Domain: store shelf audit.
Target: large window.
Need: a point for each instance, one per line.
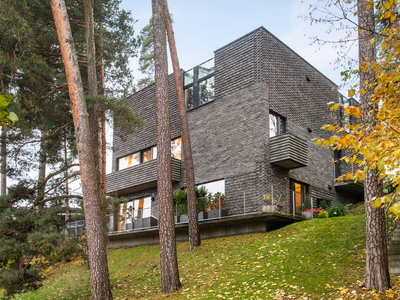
(148, 155)
(132, 210)
(199, 84)
(277, 124)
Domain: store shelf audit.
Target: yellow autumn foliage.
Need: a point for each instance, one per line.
(377, 146)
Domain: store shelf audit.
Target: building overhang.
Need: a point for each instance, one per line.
(140, 177)
(349, 186)
(288, 151)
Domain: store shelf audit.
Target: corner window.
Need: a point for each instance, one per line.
(277, 124)
(199, 85)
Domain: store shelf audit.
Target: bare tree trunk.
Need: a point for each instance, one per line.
(103, 156)
(92, 80)
(4, 160)
(194, 232)
(376, 270)
(99, 277)
(169, 264)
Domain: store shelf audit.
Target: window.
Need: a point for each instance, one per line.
(135, 209)
(129, 161)
(148, 155)
(277, 124)
(298, 193)
(199, 84)
(176, 149)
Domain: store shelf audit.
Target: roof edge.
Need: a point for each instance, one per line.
(263, 28)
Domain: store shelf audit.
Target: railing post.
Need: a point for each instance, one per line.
(219, 206)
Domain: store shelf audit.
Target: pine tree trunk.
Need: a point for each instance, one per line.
(194, 232)
(376, 270)
(168, 258)
(4, 161)
(99, 277)
(103, 156)
(92, 80)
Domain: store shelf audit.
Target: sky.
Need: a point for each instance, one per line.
(201, 27)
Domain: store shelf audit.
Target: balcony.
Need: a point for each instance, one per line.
(139, 177)
(288, 151)
(349, 186)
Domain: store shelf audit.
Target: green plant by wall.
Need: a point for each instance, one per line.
(323, 215)
(307, 203)
(216, 201)
(338, 210)
(324, 205)
(180, 200)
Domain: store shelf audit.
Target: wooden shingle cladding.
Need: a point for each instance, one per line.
(288, 151)
(139, 177)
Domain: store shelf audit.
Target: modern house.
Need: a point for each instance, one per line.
(254, 110)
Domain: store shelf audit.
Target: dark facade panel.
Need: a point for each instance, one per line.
(139, 177)
(288, 151)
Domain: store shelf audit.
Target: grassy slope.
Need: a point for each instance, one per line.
(313, 257)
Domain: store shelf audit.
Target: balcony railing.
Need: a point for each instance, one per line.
(139, 177)
(288, 151)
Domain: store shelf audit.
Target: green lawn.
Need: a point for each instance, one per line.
(314, 259)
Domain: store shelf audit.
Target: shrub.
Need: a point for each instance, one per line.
(216, 200)
(338, 210)
(307, 203)
(180, 200)
(323, 215)
(323, 205)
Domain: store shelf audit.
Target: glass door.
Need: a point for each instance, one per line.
(298, 193)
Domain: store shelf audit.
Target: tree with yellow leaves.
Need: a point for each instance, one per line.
(375, 138)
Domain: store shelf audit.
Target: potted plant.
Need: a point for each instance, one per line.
(307, 213)
(180, 204)
(270, 205)
(217, 206)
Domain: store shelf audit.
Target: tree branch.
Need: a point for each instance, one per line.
(54, 198)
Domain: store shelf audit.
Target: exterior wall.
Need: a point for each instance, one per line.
(143, 103)
(230, 135)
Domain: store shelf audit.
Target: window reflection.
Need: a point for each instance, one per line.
(176, 149)
(277, 125)
(206, 68)
(128, 161)
(206, 90)
(146, 155)
(199, 84)
(135, 209)
(188, 77)
(189, 97)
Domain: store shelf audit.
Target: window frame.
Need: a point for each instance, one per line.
(153, 150)
(278, 118)
(195, 84)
